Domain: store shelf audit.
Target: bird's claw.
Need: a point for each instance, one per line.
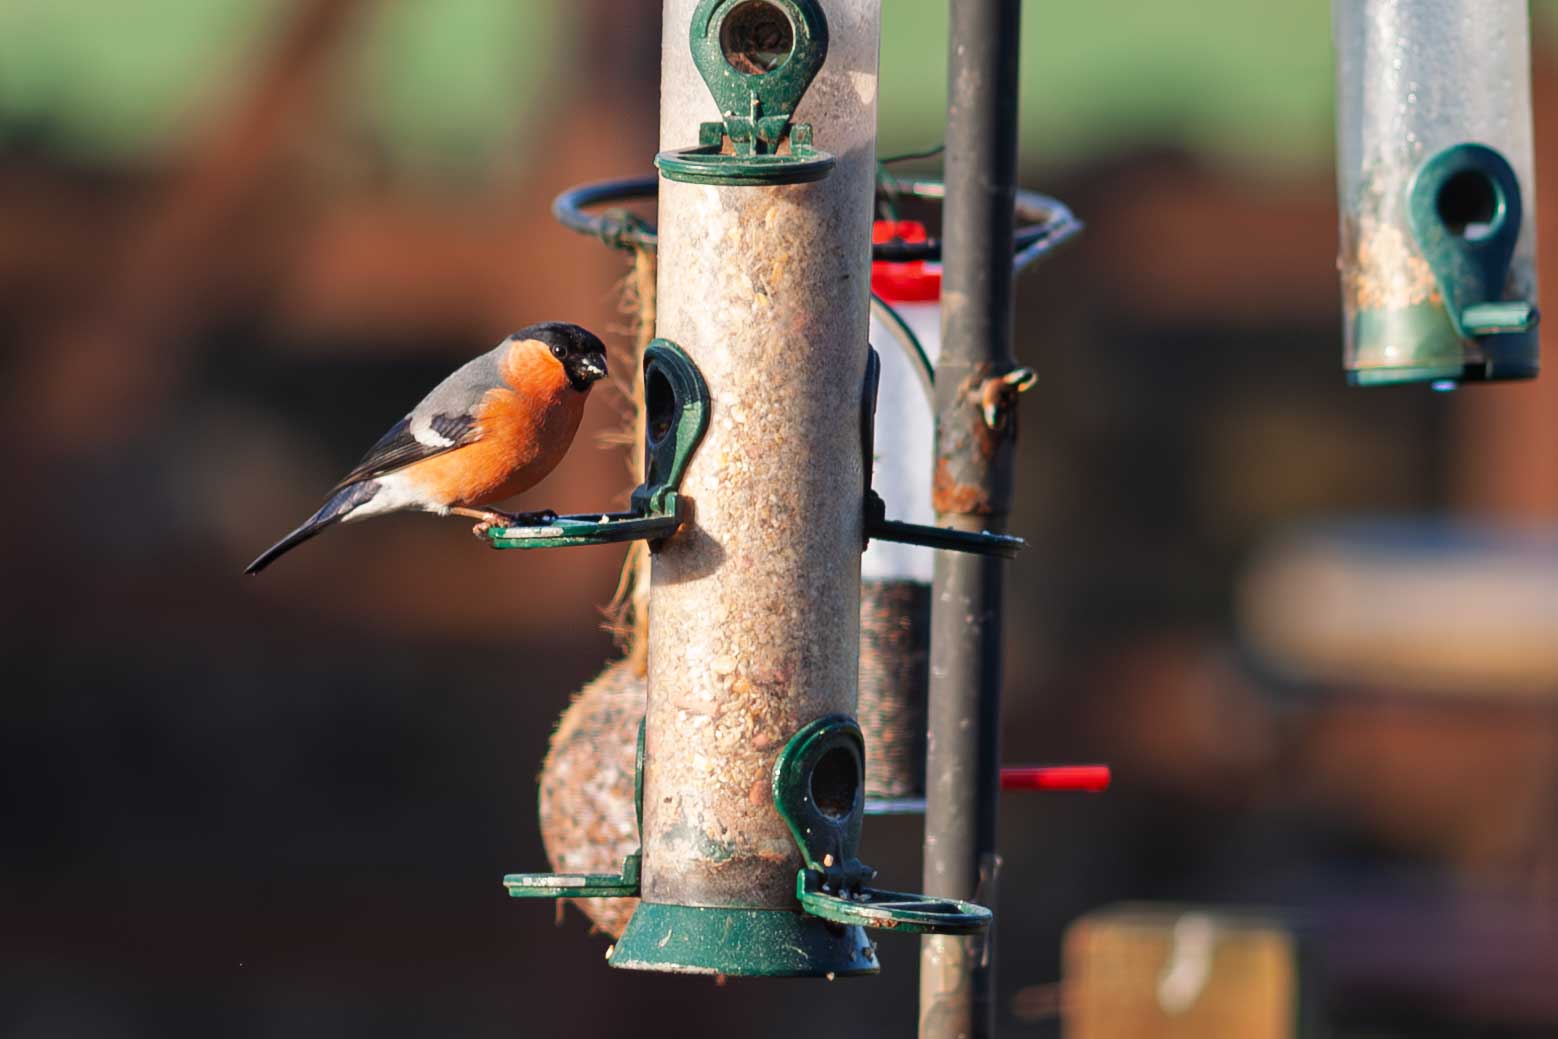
(533, 519)
(504, 520)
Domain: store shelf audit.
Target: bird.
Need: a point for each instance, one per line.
(495, 427)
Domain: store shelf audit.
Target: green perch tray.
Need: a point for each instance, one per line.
(677, 411)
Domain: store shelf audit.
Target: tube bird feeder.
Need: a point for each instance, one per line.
(1435, 183)
(760, 393)
(754, 609)
(816, 777)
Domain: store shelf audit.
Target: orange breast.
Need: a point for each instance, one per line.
(523, 437)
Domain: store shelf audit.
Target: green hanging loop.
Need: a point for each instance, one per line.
(1465, 209)
(757, 57)
(820, 794)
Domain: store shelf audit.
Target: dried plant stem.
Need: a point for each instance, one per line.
(628, 611)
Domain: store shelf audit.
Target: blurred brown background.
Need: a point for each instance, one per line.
(239, 238)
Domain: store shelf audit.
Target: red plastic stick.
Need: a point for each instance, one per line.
(1089, 779)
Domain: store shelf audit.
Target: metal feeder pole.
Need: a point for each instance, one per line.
(972, 491)
(755, 604)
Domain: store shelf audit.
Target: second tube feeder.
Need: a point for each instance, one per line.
(1435, 183)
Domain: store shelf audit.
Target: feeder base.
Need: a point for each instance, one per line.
(1418, 344)
(1405, 344)
(771, 943)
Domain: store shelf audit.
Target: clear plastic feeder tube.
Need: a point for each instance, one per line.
(1415, 78)
(754, 605)
(896, 577)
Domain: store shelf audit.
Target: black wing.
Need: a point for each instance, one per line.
(399, 448)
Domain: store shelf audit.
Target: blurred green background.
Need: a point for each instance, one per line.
(441, 85)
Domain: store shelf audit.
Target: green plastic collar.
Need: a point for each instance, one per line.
(740, 942)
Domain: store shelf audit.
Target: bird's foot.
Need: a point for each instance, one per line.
(492, 519)
(535, 519)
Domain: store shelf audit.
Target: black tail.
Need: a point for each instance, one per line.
(335, 510)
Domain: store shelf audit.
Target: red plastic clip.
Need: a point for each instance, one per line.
(1090, 779)
(906, 281)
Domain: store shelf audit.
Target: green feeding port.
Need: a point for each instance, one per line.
(757, 57)
(752, 943)
(819, 792)
(1464, 209)
(677, 413)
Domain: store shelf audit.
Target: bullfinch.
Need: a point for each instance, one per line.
(494, 428)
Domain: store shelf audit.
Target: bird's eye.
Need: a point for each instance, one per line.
(557, 351)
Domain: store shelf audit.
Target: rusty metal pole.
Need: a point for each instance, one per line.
(972, 491)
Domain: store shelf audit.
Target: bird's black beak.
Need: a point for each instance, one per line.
(584, 369)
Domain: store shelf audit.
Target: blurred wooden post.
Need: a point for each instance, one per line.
(1158, 972)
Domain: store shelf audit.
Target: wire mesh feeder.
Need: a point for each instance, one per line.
(586, 799)
(1047, 223)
